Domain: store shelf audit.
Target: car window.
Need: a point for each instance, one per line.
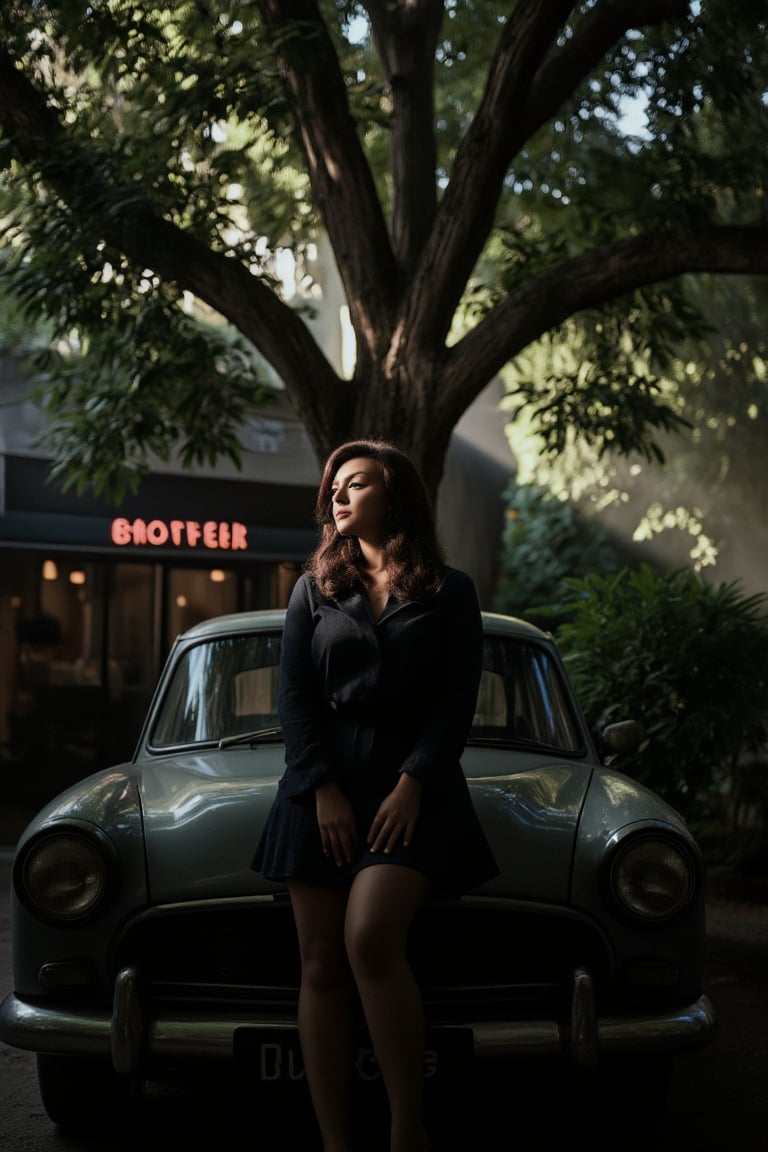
(523, 697)
(220, 688)
(225, 687)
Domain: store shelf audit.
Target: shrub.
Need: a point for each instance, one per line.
(689, 660)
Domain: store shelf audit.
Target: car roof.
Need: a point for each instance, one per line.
(499, 624)
(262, 619)
(495, 623)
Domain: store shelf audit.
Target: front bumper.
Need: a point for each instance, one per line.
(132, 1040)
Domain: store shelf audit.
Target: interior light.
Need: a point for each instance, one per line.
(50, 571)
(76, 576)
(181, 601)
(217, 575)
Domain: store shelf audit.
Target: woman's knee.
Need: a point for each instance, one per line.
(375, 945)
(324, 964)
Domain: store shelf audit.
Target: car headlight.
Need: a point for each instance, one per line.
(652, 877)
(65, 875)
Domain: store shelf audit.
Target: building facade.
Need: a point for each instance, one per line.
(92, 596)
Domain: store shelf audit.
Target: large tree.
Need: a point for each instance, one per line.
(465, 159)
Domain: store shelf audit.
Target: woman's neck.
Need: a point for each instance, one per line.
(375, 560)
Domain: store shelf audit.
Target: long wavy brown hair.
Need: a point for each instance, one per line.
(412, 552)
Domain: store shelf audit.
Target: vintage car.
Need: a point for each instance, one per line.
(145, 946)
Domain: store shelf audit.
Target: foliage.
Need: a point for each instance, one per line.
(466, 161)
(724, 388)
(710, 490)
(687, 659)
(150, 380)
(604, 381)
(130, 398)
(544, 543)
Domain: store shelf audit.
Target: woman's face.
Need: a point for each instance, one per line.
(359, 499)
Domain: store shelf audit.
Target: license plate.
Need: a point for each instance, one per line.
(275, 1054)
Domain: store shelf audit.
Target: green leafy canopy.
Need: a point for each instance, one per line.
(467, 163)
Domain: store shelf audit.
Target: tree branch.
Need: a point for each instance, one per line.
(517, 101)
(587, 281)
(405, 36)
(568, 64)
(465, 214)
(342, 182)
(137, 230)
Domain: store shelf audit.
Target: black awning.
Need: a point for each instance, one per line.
(163, 496)
(169, 515)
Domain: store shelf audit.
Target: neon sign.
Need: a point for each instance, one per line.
(180, 534)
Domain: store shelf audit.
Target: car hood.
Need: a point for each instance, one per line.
(203, 817)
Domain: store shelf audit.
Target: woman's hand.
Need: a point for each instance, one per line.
(336, 820)
(397, 815)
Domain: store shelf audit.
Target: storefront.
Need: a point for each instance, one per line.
(92, 597)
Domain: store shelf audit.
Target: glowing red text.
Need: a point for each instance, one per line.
(180, 534)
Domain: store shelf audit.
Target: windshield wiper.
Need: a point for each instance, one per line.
(524, 744)
(529, 743)
(250, 737)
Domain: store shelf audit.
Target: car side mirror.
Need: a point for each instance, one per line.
(622, 739)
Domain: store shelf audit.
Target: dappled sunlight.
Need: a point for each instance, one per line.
(704, 550)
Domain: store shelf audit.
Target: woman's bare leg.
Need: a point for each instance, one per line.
(382, 903)
(325, 999)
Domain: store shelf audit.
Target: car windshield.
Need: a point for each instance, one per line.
(220, 689)
(226, 688)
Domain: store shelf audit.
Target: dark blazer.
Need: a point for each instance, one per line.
(361, 700)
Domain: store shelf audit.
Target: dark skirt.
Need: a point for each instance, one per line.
(449, 845)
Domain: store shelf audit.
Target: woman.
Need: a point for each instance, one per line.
(379, 674)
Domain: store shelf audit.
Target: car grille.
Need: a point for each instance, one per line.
(473, 962)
